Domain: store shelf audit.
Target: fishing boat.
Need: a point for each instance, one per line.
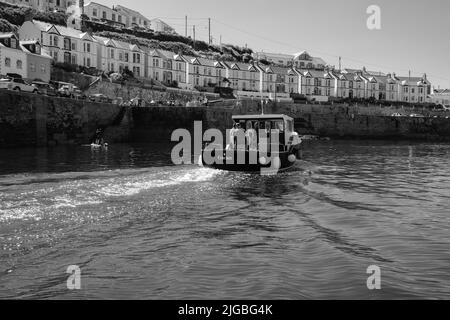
(265, 142)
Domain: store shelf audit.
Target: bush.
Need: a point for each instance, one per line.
(5, 26)
(17, 15)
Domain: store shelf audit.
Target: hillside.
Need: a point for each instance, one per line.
(11, 17)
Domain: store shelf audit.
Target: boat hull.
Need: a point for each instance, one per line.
(247, 161)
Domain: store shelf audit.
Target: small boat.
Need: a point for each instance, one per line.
(262, 143)
(99, 146)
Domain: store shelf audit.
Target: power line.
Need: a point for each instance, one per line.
(324, 53)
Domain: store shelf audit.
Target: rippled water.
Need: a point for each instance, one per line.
(139, 227)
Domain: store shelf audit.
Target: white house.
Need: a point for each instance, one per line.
(160, 26)
(132, 17)
(243, 76)
(440, 96)
(63, 44)
(167, 67)
(413, 89)
(101, 13)
(201, 72)
(303, 60)
(320, 84)
(12, 57)
(117, 56)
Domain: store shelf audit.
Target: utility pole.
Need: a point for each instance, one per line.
(340, 64)
(209, 30)
(193, 31)
(409, 89)
(186, 27)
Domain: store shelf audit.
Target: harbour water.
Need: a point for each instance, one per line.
(141, 228)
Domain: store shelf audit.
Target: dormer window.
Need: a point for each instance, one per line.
(13, 43)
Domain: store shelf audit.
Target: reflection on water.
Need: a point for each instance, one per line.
(140, 227)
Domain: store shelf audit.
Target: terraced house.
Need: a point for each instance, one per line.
(243, 76)
(12, 57)
(62, 44)
(23, 58)
(167, 67)
(43, 5)
(201, 72)
(318, 84)
(116, 56)
(101, 13)
(278, 80)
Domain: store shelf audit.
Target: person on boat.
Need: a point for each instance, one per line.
(251, 137)
(239, 141)
(233, 137)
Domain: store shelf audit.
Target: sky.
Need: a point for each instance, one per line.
(414, 35)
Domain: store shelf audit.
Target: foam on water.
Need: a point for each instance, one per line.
(66, 191)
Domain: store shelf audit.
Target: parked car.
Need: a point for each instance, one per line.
(65, 91)
(441, 107)
(415, 115)
(17, 84)
(396, 115)
(44, 88)
(98, 97)
(78, 94)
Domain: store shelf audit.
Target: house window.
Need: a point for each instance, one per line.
(74, 46)
(88, 62)
(136, 58)
(55, 41)
(113, 17)
(74, 59)
(33, 67)
(120, 56)
(119, 18)
(13, 43)
(104, 14)
(111, 53)
(7, 62)
(43, 69)
(94, 12)
(67, 44)
(126, 57)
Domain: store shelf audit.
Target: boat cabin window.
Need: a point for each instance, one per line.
(289, 126)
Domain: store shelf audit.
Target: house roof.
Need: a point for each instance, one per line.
(64, 31)
(240, 66)
(412, 80)
(24, 44)
(204, 62)
(118, 44)
(317, 73)
(441, 91)
(7, 35)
